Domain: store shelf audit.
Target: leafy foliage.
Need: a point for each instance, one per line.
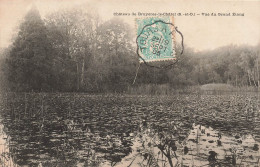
(73, 50)
(29, 65)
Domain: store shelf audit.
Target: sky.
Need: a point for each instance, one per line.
(200, 32)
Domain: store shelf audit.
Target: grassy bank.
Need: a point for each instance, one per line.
(167, 89)
(163, 89)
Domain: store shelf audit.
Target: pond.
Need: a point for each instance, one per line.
(73, 129)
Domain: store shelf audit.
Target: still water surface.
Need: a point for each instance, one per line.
(95, 130)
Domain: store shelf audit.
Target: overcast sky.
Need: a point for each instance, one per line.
(200, 32)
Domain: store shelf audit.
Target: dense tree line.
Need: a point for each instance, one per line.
(73, 50)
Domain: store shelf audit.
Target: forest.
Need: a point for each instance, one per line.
(75, 51)
(73, 93)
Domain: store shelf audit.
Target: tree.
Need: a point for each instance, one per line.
(72, 34)
(116, 55)
(4, 52)
(29, 64)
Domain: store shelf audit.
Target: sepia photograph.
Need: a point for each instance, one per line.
(141, 83)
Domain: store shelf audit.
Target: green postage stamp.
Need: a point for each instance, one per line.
(155, 39)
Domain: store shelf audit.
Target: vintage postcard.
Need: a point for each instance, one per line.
(141, 83)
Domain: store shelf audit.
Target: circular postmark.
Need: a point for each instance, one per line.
(156, 40)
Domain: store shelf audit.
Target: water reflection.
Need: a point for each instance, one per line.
(91, 130)
(54, 134)
(202, 147)
(64, 142)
